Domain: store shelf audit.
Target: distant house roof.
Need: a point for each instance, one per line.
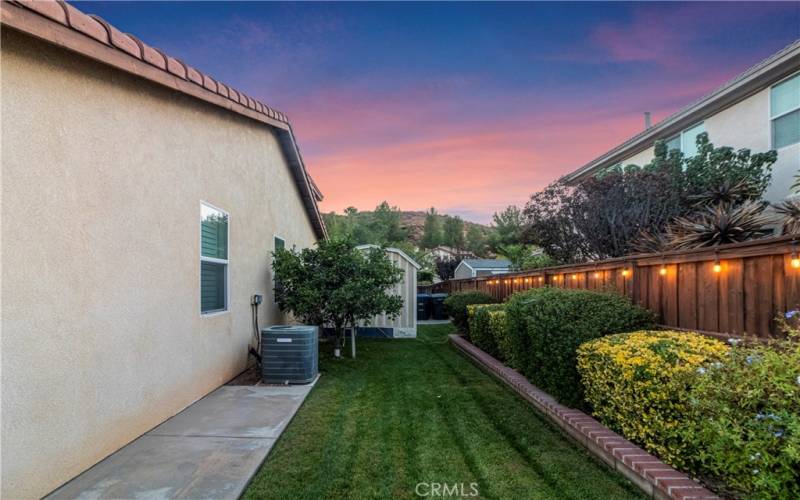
(392, 250)
(451, 250)
(63, 25)
(781, 64)
(487, 263)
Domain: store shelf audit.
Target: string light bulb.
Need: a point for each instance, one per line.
(541, 278)
(574, 276)
(717, 266)
(596, 275)
(625, 272)
(663, 270)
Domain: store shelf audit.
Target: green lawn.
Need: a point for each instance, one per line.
(413, 411)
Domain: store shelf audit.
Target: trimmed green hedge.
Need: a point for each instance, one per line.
(456, 306)
(546, 326)
(486, 327)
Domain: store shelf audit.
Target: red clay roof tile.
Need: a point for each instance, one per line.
(209, 83)
(176, 67)
(150, 55)
(118, 39)
(102, 31)
(194, 75)
(54, 10)
(86, 24)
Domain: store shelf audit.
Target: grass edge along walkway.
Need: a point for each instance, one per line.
(408, 414)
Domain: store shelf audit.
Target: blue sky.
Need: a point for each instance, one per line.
(465, 106)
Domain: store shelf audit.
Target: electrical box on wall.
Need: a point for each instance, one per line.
(257, 299)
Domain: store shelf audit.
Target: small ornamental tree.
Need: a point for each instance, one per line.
(336, 285)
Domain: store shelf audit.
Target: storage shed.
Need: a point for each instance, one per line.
(405, 325)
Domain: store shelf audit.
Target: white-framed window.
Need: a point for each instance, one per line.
(689, 139)
(784, 112)
(674, 143)
(686, 141)
(214, 274)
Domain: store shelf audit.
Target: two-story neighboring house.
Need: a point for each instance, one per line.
(758, 110)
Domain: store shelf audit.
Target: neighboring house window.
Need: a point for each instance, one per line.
(686, 141)
(213, 259)
(785, 112)
(674, 143)
(279, 244)
(689, 139)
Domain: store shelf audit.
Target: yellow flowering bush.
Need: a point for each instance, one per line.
(638, 384)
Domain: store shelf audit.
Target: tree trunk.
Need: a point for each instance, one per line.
(353, 343)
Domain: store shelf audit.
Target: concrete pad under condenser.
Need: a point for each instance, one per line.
(209, 450)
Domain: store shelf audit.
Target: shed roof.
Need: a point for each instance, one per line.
(61, 24)
(392, 250)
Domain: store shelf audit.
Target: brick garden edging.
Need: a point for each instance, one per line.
(654, 477)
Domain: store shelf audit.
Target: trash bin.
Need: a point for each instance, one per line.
(438, 305)
(423, 306)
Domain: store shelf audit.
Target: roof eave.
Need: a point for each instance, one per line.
(37, 24)
(777, 67)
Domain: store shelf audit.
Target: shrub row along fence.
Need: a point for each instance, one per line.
(730, 290)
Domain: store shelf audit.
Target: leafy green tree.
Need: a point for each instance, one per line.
(633, 209)
(713, 167)
(508, 228)
(476, 240)
(523, 257)
(454, 232)
(431, 231)
(336, 285)
(385, 225)
(419, 255)
(357, 227)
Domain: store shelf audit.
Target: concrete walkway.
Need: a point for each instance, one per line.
(209, 450)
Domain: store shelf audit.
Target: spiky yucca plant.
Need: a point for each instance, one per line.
(727, 191)
(720, 224)
(788, 212)
(653, 241)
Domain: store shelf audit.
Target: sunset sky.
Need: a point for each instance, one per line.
(468, 107)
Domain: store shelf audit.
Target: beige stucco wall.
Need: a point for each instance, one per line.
(746, 125)
(102, 179)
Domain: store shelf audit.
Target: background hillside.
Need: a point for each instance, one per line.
(414, 222)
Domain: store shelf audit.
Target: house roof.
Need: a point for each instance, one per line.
(61, 24)
(777, 66)
(487, 263)
(392, 250)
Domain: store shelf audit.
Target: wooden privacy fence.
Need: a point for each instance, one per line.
(735, 289)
